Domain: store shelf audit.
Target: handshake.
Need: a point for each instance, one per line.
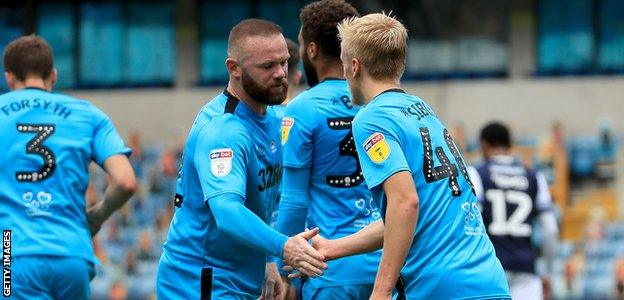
(308, 259)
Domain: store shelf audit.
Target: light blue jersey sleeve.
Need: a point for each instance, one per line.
(294, 203)
(295, 200)
(220, 157)
(106, 142)
(220, 160)
(297, 133)
(380, 151)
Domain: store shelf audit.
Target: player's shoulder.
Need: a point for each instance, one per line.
(372, 113)
(303, 109)
(322, 93)
(225, 127)
(397, 98)
(303, 101)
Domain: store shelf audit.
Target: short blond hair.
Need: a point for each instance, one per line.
(378, 40)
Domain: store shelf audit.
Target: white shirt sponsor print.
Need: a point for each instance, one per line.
(37, 206)
(368, 213)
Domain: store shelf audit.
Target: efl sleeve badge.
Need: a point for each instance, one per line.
(377, 148)
(221, 162)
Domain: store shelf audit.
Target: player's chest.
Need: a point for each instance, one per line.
(265, 168)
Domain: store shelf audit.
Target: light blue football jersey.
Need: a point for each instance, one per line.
(279, 110)
(279, 113)
(230, 149)
(451, 256)
(316, 134)
(48, 141)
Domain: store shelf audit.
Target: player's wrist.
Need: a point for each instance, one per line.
(95, 214)
(381, 292)
(278, 244)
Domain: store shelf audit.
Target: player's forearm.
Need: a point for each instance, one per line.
(237, 221)
(400, 222)
(121, 187)
(370, 238)
(294, 202)
(292, 213)
(115, 196)
(291, 218)
(548, 223)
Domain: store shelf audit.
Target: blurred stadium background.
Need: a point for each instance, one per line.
(551, 69)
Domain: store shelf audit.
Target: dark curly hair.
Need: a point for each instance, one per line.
(318, 24)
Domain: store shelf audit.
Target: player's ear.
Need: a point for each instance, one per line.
(51, 81)
(356, 67)
(233, 67)
(312, 50)
(10, 80)
(297, 78)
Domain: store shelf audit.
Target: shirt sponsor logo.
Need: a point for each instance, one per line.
(37, 205)
(221, 161)
(287, 124)
(377, 148)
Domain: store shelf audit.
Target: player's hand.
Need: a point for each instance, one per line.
(546, 287)
(324, 246)
(95, 218)
(273, 288)
(303, 257)
(291, 291)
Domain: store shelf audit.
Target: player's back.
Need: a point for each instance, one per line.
(48, 141)
(451, 255)
(509, 192)
(316, 132)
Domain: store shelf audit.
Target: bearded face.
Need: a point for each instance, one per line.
(308, 68)
(272, 94)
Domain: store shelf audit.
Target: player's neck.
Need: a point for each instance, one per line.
(238, 92)
(494, 152)
(372, 88)
(329, 69)
(31, 82)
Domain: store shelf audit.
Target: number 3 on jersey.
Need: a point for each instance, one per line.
(446, 169)
(347, 148)
(35, 146)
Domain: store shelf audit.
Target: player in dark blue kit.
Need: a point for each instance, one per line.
(48, 141)
(323, 181)
(433, 238)
(514, 198)
(219, 238)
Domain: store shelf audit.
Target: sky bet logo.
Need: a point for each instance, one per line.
(226, 153)
(6, 263)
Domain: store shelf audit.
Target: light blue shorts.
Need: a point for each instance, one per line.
(343, 292)
(50, 277)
